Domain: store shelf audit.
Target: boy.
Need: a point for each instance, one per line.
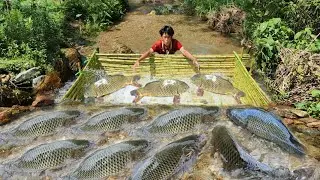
(166, 45)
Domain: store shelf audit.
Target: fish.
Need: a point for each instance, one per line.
(181, 120)
(266, 125)
(108, 84)
(170, 160)
(44, 124)
(233, 155)
(216, 84)
(113, 120)
(51, 155)
(110, 161)
(161, 88)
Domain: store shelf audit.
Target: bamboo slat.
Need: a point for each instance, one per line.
(172, 66)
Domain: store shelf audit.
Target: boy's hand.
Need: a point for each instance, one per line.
(136, 64)
(195, 62)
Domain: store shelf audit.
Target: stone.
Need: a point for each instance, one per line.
(27, 75)
(297, 122)
(43, 100)
(36, 81)
(287, 121)
(299, 113)
(308, 120)
(314, 124)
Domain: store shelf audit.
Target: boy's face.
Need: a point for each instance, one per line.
(166, 38)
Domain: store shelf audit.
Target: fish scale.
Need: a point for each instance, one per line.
(266, 125)
(44, 124)
(109, 84)
(160, 89)
(110, 160)
(180, 120)
(232, 154)
(170, 160)
(113, 120)
(51, 155)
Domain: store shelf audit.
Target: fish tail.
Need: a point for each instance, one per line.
(238, 94)
(134, 92)
(291, 147)
(135, 79)
(296, 148)
(140, 132)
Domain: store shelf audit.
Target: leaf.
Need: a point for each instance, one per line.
(300, 105)
(315, 93)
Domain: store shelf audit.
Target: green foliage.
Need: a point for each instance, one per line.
(32, 32)
(312, 106)
(268, 38)
(271, 35)
(203, 7)
(99, 13)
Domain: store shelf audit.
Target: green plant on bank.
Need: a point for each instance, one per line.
(268, 39)
(97, 14)
(33, 31)
(271, 35)
(312, 106)
(203, 7)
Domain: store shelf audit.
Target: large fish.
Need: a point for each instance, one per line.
(266, 125)
(111, 160)
(181, 120)
(110, 83)
(44, 124)
(51, 155)
(113, 120)
(232, 154)
(216, 84)
(170, 160)
(162, 88)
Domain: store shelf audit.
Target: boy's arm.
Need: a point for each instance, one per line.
(142, 57)
(190, 56)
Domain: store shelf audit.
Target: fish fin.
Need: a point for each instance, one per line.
(185, 164)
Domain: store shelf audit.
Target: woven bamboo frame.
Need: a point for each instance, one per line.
(174, 66)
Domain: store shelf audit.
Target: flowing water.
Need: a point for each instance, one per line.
(207, 165)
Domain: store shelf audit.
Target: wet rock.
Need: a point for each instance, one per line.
(287, 121)
(44, 99)
(308, 120)
(51, 81)
(73, 58)
(36, 81)
(9, 114)
(299, 113)
(27, 75)
(297, 122)
(284, 111)
(314, 124)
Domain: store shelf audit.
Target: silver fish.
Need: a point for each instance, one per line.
(113, 120)
(111, 160)
(170, 160)
(44, 124)
(233, 155)
(51, 155)
(216, 84)
(108, 84)
(161, 88)
(181, 120)
(266, 125)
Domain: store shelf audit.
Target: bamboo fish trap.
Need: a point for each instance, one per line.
(163, 66)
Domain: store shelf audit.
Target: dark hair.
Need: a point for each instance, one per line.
(167, 29)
